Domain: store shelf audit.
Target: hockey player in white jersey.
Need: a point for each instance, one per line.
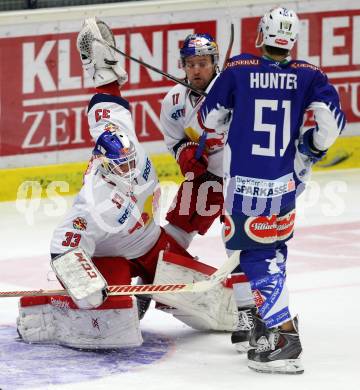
(199, 57)
(109, 235)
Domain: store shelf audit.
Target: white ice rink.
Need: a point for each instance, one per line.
(323, 278)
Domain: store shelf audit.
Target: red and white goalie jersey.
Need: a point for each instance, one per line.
(104, 220)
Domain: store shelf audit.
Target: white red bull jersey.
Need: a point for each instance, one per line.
(178, 119)
(103, 220)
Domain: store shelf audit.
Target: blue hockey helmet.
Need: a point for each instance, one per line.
(199, 45)
(118, 157)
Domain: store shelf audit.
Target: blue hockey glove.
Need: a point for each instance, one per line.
(306, 147)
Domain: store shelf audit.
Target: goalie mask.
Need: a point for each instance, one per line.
(278, 28)
(118, 158)
(99, 60)
(199, 45)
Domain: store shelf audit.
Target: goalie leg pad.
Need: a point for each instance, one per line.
(57, 320)
(81, 278)
(214, 309)
(35, 323)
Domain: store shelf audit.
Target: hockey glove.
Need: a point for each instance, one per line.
(185, 156)
(306, 147)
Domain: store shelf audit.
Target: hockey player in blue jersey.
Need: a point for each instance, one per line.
(258, 103)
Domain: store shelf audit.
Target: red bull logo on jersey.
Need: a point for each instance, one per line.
(79, 223)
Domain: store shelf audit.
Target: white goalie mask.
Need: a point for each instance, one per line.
(98, 59)
(278, 28)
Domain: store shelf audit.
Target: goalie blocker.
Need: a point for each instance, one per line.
(115, 323)
(79, 276)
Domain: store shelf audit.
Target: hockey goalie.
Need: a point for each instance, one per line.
(109, 235)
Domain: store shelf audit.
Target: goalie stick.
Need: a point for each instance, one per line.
(128, 289)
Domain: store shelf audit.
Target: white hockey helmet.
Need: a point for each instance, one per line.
(278, 28)
(98, 59)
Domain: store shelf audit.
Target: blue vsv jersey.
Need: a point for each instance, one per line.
(268, 100)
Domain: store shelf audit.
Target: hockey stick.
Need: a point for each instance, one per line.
(169, 76)
(128, 289)
(202, 139)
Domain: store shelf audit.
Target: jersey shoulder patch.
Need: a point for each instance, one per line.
(241, 60)
(298, 64)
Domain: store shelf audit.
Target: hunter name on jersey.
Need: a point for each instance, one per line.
(249, 186)
(267, 101)
(273, 80)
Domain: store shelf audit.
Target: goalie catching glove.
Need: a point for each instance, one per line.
(80, 278)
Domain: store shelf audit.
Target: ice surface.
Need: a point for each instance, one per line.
(324, 283)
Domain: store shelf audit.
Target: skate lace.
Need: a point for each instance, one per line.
(269, 343)
(246, 321)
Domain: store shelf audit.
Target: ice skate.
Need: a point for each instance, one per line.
(241, 336)
(277, 352)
